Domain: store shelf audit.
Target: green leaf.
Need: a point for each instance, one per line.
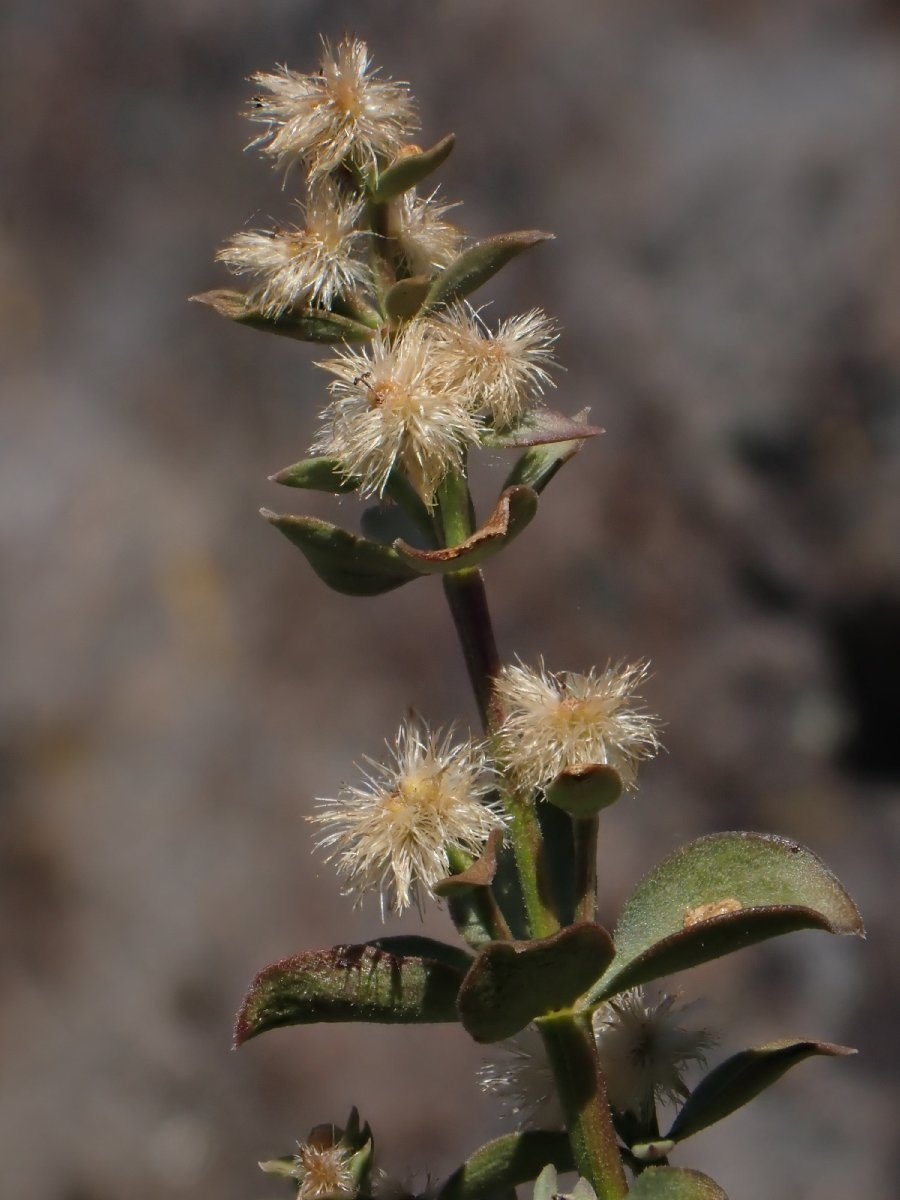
(348, 563)
(740, 1078)
(512, 983)
(411, 169)
(541, 427)
(515, 510)
(585, 791)
(353, 983)
(507, 1162)
(537, 466)
(717, 895)
(475, 265)
(305, 324)
(317, 474)
(406, 297)
(675, 1183)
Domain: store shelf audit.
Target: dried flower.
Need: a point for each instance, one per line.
(426, 240)
(341, 114)
(392, 406)
(559, 722)
(505, 371)
(523, 1079)
(320, 1170)
(645, 1049)
(312, 265)
(394, 833)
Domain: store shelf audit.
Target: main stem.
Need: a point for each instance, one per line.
(571, 1049)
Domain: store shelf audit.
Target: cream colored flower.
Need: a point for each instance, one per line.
(393, 834)
(392, 407)
(341, 114)
(426, 240)
(560, 722)
(505, 372)
(523, 1080)
(310, 266)
(644, 1050)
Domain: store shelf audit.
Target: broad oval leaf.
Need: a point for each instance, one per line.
(354, 983)
(675, 1183)
(348, 563)
(740, 1078)
(512, 983)
(507, 1162)
(476, 264)
(410, 169)
(304, 324)
(515, 510)
(716, 895)
(585, 791)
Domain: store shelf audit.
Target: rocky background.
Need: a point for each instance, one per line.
(177, 687)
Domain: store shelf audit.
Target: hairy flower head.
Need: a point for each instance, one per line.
(505, 371)
(425, 239)
(645, 1048)
(312, 265)
(523, 1080)
(343, 113)
(563, 721)
(320, 1171)
(394, 833)
(392, 407)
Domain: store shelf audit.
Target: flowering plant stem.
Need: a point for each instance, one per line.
(582, 1092)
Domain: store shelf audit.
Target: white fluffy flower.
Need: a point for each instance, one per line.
(504, 371)
(392, 407)
(343, 113)
(394, 833)
(523, 1080)
(565, 721)
(318, 1170)
(311, 265)
(645, 1048)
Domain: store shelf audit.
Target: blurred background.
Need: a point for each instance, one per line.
(177, 687)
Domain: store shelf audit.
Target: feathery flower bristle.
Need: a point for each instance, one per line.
(394, 833)
(392, 407)
(342, 114)
(523, 1080)
(425, 239)
(564, 721)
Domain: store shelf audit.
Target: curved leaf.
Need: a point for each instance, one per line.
(317, 474)
(740, 1078)
(675, 1183)
(353, 983)
(411, 169)
(585, 791)
(406, 297)
(538, 465)
(541, 427)
(506, 1162)
(305, 324)
(512, 983)
(348, 563)
(475, 265)
(515, 510)
(719, 894)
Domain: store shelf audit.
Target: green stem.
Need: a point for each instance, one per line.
(585, 833)
(468, 606)
(524, 833)
(582, 1092)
